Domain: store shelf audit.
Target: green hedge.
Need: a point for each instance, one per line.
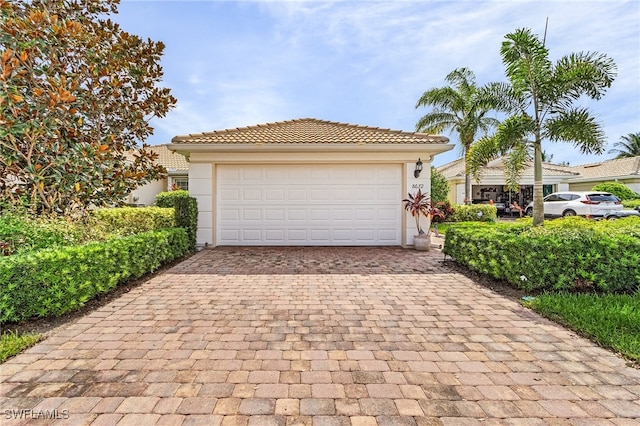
(574, 254)
(618, 189)
(21, 234)
(475, 212)
(629, 204)
(168, 199)
(52, 282)
(125, 221)
(186, 216)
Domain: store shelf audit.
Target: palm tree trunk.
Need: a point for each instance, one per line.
(467, 179)
(538, 204)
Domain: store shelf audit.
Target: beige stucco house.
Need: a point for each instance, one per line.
(492, 184)
(622, 170)
(306, 182)
(177, 177)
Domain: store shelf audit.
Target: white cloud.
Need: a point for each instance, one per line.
(233, 64)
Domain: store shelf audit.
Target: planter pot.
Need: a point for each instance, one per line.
(422, 242)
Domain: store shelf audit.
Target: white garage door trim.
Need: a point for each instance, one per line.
(320, 204)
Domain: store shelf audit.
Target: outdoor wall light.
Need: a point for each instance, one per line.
(416, 172)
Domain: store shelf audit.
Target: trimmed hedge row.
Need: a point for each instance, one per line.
(474, 212)
(186, 216)
(134, 220)
(56, 281)
(169, 198)
(575, 254)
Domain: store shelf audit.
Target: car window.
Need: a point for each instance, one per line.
(603, 197)
(565, 197)
(552, 197)
(574, 197)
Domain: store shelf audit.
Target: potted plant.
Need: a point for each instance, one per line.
(420, 205)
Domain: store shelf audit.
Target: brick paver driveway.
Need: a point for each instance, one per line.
(317, 336)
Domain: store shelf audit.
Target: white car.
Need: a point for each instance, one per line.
(572, 203)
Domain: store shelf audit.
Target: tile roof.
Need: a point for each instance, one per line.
(169, 159)
(496, 168)
(309, 131)
(609, 169)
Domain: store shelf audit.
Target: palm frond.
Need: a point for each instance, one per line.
(501, 97)
(526, 61)
(579, 127)
(443, 98)
(436, 121)
(514, 131)
(585, 73)
(628, 146)
(515, 162)
(479, 154)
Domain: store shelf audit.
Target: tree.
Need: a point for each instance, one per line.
(539, 98)
(439, 186)
(76, 97)
(458, 108)
(628, 146)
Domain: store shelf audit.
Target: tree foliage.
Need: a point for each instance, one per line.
(76, 96)
(539, 98)
(458, 108)
(628, 146)
(439, 186)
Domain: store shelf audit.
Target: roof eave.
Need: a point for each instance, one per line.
(434, 148)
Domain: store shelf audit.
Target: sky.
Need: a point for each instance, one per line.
(240, 63)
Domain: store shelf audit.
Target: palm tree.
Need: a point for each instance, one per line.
(629, 146)
(539, 98)
(458, 108)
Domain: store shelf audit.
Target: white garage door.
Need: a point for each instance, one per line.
(352, 204)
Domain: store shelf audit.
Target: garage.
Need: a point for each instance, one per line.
(307, 182)
(285, 204)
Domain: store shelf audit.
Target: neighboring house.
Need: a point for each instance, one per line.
(177, 177)
(306, 182)
(492, 184)
(622, 170)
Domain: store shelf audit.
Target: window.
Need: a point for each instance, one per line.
(181, 183)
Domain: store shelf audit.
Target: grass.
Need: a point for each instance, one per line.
(611, 320)
(12, 343)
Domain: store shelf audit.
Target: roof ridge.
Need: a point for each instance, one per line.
(309, 130)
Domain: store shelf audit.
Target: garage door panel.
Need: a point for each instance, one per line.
(275, 214)
(317, 205)
(229, 195)
(297, 235)
(274, 195)
(251, 214)
(252, 235)
(390, 215)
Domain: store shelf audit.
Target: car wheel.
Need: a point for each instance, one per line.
(612, 217)
(568, 213)
(529, 212)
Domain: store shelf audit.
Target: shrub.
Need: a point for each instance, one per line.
(125, 221)
(52, 282)
(12, 343)
(186, 216)
(439, 186)
(629, 204)
(577, 254)
(168, 199)
(475, 212)
(21, 234)
(618, 189)
(445, 212)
